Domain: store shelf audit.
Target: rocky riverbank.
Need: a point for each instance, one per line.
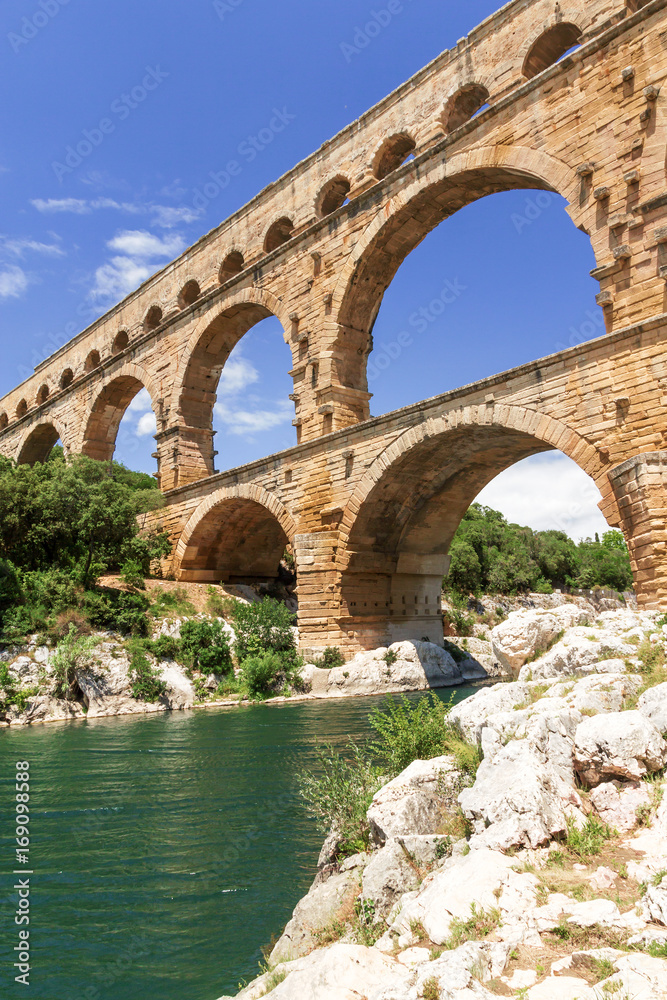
(102, 681)
(542, 877)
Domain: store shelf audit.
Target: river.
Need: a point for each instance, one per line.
(165, 849)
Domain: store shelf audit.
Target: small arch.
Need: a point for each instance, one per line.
(550, 47)
(392, 153)
(66, 378)
(104, 417)
(153, 318)
(332, 196)
(237, 534)
(93, 361)
(21, 409)
(464, 105)
(189, 294)
(4, 420)
(43, 394)
(233, 264)
(121, 340)
(38, 444)
(280, 232)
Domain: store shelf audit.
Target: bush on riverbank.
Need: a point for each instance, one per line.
(340, 790)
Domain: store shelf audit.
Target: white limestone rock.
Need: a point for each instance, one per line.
(388, 875)
(617, 745)
(416, 801)
(418, 667)
(654, 904)
(653, 705)
(617, 802)
(524, 633)
(487, 704)
(318, 908)
(45, 708)
(581, 651)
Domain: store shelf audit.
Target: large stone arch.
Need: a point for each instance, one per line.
(210, 344)
(237, 533)
(422, 203)
(38, 441)
(100, 426)
(397, 527)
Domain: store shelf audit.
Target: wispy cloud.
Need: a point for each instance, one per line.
(139, 419)
(236, 376)
(13, 282)
(246, 423)
(162, 216)
(19, 247)
(147, 425)
(547, 492)
(138, 252)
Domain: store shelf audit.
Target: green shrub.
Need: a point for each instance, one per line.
(338, 792)
(206, 646)
(418, 730)
(390, 657)
(260, 673)
(117, 611)
(13, 695)
(172, 603)
(132, 574)
(331, 658)
(147, 684)
(66, 658)
(588, 840)
(165, 647)
(263, 626)
(218, 605)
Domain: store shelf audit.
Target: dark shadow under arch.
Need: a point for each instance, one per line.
(38, 445)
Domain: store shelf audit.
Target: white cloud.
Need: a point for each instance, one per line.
(236, 376)
(13, 282)
(163, 216)
(18, 247)
(115, 280)
(144, 245)
(547, 492)
(245, 423)
(141, 402)
(53, 205)
(146, 425)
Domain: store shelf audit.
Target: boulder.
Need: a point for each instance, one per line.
(617, 745)
(464, 967)
(524, 793)
(390, 873)
(478, 711)
(524, 634)
(45, 708)
(654, 904)
(562, 988)
(617, 802)
(418, 667)
(341, 972)
(316, 910)
(416, 801)
(581, 651)
(653, 705)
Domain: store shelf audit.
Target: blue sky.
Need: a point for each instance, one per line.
(180, 86)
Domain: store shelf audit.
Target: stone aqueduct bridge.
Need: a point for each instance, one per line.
(370, 505)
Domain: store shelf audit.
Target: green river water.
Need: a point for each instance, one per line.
(166, 850)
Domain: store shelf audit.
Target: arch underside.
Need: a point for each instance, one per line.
(200, 384)
(417, 506)
(108, 411)
(398, 237)
(38, 445)
(237, 541)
